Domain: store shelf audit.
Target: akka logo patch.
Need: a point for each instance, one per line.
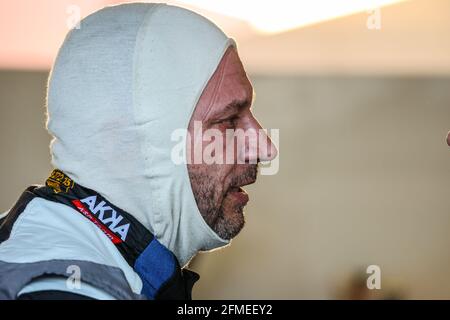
(109, 217)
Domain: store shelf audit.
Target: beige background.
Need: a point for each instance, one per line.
(364, 179)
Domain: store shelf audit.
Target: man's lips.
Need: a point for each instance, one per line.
(239, 194)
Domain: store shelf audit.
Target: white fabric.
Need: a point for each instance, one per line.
(47, 230)
(4, 214)
(121, 84)
(60, 284)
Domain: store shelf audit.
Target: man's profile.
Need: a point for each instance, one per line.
(117, 209)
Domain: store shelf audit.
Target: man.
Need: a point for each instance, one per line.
(119, 218)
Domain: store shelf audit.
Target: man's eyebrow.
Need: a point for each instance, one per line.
(233, 107)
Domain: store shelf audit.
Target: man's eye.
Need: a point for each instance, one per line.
(230, 121)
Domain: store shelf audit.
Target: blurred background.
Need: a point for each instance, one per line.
(360, 91)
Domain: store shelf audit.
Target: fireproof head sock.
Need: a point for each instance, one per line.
(121, 84)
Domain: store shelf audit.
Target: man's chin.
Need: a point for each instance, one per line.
(230, 222)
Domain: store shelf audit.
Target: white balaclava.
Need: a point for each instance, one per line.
(120, 85)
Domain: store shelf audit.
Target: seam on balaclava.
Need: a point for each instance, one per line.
(216, 86)
(140, 35)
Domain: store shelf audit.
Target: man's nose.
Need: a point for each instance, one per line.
(264, 149)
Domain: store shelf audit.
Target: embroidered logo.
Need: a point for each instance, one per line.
(59, 182)
(106, 218)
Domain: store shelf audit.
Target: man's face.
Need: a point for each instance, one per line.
(225, 105)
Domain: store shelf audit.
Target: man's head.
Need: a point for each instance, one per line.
(225, 105)
(121, 85)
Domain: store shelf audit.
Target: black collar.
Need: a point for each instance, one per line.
(135, 243)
